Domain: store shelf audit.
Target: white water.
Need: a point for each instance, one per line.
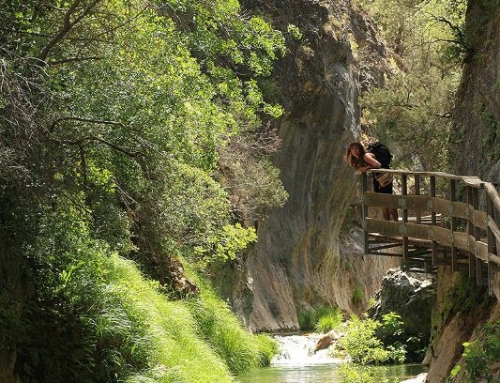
(298, 350)
(297, 363)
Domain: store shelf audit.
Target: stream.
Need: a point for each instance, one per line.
(297, 363)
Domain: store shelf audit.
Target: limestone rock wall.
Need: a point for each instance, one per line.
(475, 133)
(304, 257)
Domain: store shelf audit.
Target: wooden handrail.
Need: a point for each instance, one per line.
(469, 226)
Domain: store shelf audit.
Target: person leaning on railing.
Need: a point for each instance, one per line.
(360, 160)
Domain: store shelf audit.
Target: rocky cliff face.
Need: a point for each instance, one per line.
(303, 257)
(477, 114)
(476, 133)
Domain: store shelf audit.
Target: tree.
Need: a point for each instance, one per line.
(113, 115)
(414, 108)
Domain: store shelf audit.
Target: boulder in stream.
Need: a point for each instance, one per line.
(412, 296)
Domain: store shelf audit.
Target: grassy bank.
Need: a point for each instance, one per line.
(197, 340)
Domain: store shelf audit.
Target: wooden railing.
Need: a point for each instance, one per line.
(444, 219)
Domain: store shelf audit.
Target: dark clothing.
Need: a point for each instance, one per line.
(376, 186)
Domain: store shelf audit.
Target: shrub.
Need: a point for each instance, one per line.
(268, 347)
(349, 373)
(364, 347)
(328, 319)
(357, 295)
(307, 319)
(481, 355)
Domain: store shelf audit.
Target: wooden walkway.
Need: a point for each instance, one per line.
(444, 219)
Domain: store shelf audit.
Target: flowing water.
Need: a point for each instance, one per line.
(298, 363)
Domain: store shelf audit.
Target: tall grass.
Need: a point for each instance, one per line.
(108, 323)
(321, 319)
(328, 319)
(197, 340)
(222, 330)
(161, 336)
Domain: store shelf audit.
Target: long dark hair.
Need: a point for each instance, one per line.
(352, 161)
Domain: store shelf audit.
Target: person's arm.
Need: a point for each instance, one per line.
(372, 162)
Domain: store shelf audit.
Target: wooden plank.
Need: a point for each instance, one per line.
(480, 219)
(389, 228)
(442, 235)
(441, 206)
(364, 209)
(461, 240)
(470, 180)
(459, 210)
(472, 266)
(373, 199)
(416, 180)
(494, 259)
(418, 203)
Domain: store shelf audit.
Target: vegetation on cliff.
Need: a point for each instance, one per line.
(413, 110)
(113, 118)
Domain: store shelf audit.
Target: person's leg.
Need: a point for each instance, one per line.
(385, 213)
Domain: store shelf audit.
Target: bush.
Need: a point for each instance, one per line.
(268, 347)
(328, 319)
(482, 354)
(364, 347)
(307, 320)
(356, 374)
(357, 295)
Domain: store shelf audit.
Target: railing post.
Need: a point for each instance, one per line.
(476, 232)
(453, 223)
(470, 231)
(433, 220)
(364, 211)
(492, 243)
(404, 192)
(417, 192)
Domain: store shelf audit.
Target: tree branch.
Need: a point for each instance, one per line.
(66, 27)
(81, 140)
(81, 119)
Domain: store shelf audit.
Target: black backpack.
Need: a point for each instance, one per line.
(381, 153)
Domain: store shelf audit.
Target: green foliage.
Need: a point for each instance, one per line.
(392, 324)
(357, 295)
(349, 373)
(268, 348)
(113, 116)
(294, 31)
(328, 318)
(217, 325)
(482, 354)
(226, 246)
(463, 296)
(363, 346)
(413, 108)
(322, 318)
(307, 319)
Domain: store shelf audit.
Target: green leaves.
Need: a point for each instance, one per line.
(364, 347)
(480, 355)
(413, 108)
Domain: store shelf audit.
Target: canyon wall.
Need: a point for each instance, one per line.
(307, 254)
(476, 132)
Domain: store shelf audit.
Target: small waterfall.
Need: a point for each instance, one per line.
(299, 350)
